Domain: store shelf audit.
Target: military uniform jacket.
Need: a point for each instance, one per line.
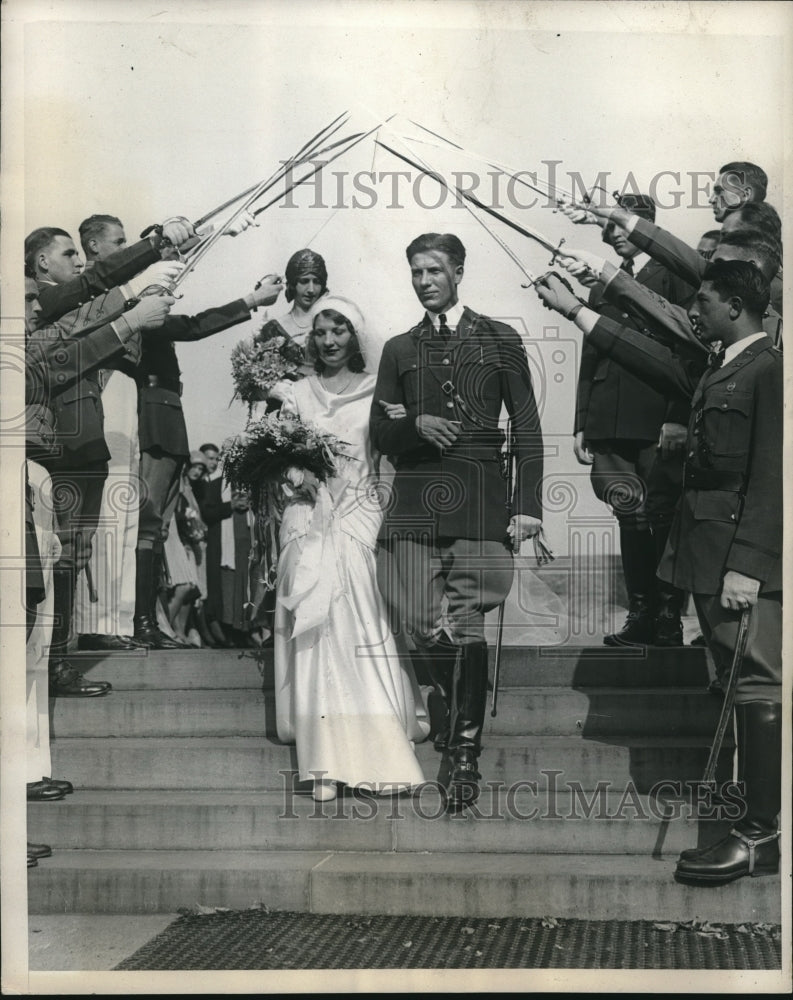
(63, 408)
(161, 422)
(730, 514)
(77, 411)
(460, 492)
(611, 403)
(684, 261)
(56, 300)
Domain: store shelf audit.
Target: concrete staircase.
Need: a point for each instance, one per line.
(185, 797)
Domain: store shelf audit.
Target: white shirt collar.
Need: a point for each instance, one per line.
(739, 346)
(639, 260)
(453, 316)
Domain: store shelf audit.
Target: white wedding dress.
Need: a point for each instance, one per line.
(342, 694)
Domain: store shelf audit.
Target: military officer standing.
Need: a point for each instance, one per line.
(447, 532)
(725, 546)
(632, 437)
(163, 441)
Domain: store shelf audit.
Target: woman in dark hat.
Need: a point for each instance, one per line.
(306, 281)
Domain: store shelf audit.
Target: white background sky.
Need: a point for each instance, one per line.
(187, 106)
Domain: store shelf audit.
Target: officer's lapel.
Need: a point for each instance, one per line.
(744, 358)
(420, 327)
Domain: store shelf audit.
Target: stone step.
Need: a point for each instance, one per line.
(480, 885)
(543, 666)
(256, 763)
(526, 820)
(595, 713)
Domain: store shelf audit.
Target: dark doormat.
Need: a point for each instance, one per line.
(257, 939)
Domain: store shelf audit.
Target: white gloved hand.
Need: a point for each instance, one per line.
(161, 273)
(151, 312)
(578, 262)
(178, 230)
(240, 224)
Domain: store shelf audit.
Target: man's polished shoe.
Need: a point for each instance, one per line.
(668, 609)
(639, 627)
(66, 786)
(67, 682)
(464, 783)
(32, 863)
(738, 854)
(106, 643)
(41, 791)
(149, 636)
(668, 630)
(39, 851)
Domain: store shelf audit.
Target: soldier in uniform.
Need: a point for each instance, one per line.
(725, 546)
(163, 442)
(77, 462)
(447, 531)
(633, 437)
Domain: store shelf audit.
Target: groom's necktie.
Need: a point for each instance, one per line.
(443, 329)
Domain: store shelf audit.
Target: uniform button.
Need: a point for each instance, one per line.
(445, 361)
(724, 406)
(732, 517)
(691, 454)
(450, 406)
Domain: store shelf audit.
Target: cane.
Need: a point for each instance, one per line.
(729, 695)
(93, 597)
(497, 664)
(508, 458)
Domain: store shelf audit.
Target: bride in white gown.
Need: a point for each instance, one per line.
(342, 693)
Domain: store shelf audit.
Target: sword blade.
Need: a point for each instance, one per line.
(324, 133)
(467, 196)
(352, 141)
(729, 696)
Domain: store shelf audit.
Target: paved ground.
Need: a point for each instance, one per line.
(89, 942)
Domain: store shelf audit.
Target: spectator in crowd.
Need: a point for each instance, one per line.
(214, 510)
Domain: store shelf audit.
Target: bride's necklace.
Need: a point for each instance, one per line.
(332, 389)
(301, 326)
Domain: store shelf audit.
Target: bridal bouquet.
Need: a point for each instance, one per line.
(256, 366)
(279, 449)
(189, 525)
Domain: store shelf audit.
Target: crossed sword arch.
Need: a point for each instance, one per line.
(317, 153)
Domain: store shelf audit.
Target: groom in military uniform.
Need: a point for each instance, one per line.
(449, 528)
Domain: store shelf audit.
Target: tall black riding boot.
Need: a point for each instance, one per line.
(668, 599)
(752, 846)
(64, 580)
(467, 718)
(638, 565)
(437, 662)
(64, 679)
(146, 631)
